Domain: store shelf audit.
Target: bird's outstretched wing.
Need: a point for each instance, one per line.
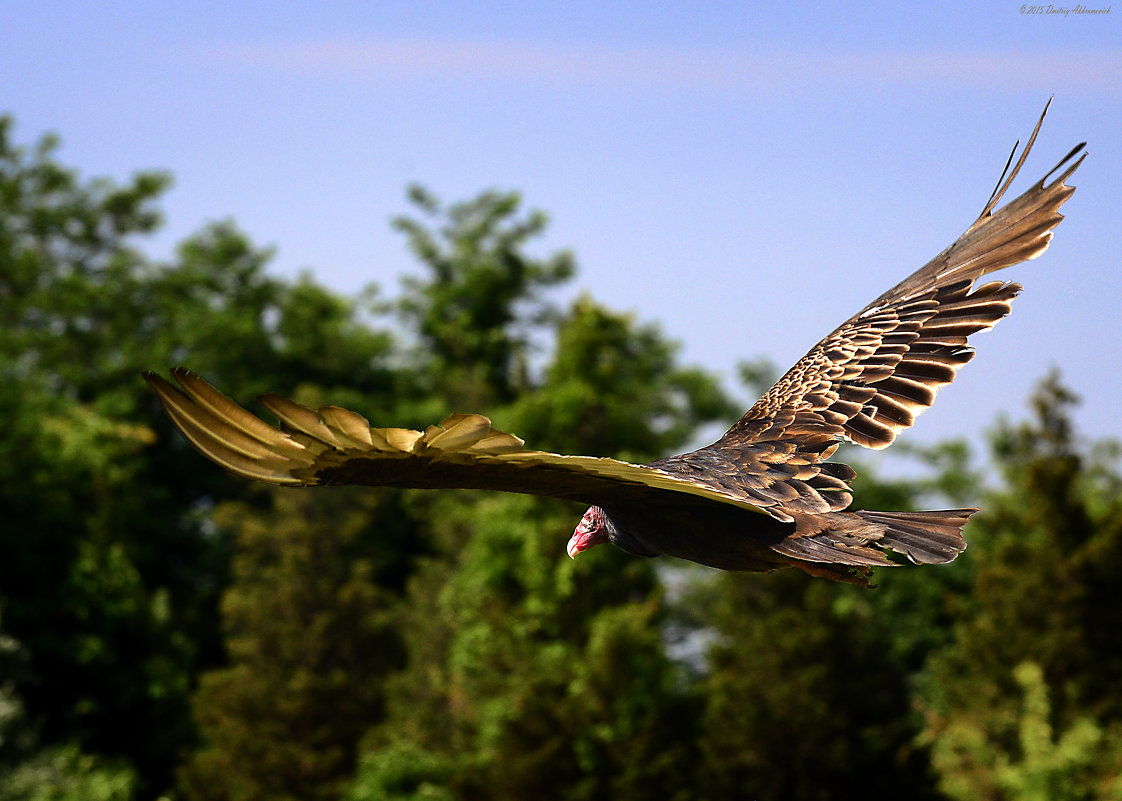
(336, 446)
(870, 378)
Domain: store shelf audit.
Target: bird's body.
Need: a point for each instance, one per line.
(826, 544)
(763, 496)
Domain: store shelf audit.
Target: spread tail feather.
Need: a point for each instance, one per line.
(853, 538)
(926, 538)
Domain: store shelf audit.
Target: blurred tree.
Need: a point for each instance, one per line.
(807, 685)
(527, 678)
(529, 675)
(108, 651)
(379, 644)
(310, 637)
(614, 388)
(1045, 767)
(472, 313)
(1047, 553)
(110, 571)
(33, 771)
(805, 697)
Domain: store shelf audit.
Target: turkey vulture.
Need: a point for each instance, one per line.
(761, 497)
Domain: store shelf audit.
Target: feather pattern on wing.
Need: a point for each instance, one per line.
(763, 495)
(336, 446)
(869, 379)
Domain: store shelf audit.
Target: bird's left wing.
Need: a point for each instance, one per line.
(332, 445)
(870, 377)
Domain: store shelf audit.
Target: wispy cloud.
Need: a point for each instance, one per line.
(598, 65)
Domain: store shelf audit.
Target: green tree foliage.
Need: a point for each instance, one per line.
(525, 678)
(805, 697)
(168, 630)
(1044, 768)
(110, 570)
(493, 598)
(83, 591)
(33, 771)
(522, 664)
(613, 388)
(309, 634)
(473, 311)
(1048, 563)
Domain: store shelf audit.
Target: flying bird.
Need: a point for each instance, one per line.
(761, 497)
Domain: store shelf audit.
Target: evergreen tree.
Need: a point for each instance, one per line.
(530, 675)
(310, 636)
(473, 312)
(1047, 556)
(384, 644)
(109, 629)
(110, 570)
(805, 696)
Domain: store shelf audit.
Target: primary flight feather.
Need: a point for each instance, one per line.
(761, 497)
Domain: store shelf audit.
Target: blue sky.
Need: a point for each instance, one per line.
(746, 175)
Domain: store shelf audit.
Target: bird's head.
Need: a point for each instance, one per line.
(592, 530)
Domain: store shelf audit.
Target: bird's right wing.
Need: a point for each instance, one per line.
(336, 446)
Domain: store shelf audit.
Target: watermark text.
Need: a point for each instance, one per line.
(1064, 11)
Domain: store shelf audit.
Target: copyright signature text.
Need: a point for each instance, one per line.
(1063, 11)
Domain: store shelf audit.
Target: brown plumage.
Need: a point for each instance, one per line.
(760, 497)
